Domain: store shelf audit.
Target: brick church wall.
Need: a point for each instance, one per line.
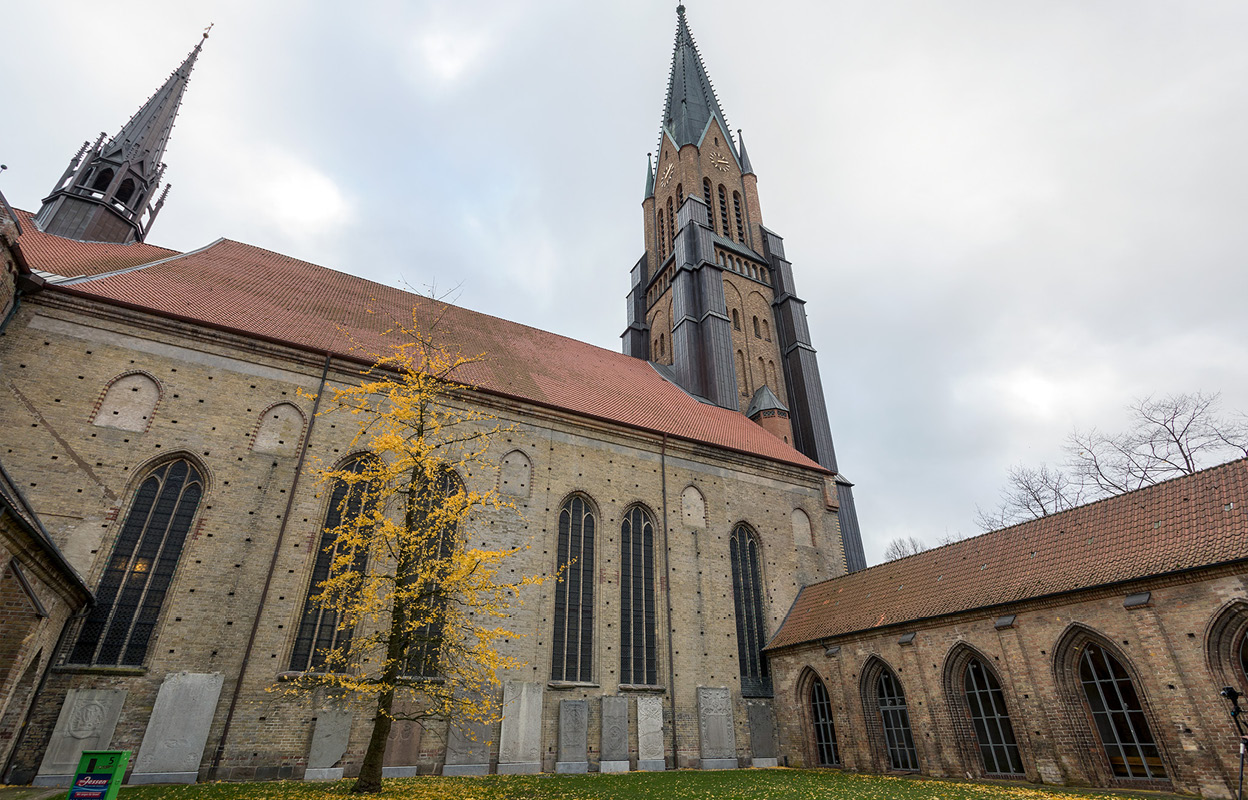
(215, 395)
(1181, 649)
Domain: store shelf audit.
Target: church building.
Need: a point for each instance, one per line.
(163, 539)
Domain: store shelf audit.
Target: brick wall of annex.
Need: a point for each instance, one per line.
(1180, 649)
(60, 354)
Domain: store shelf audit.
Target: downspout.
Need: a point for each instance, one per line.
(667, 588)
(268, 580)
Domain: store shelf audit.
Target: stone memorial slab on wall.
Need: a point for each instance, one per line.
(762, 735)
(650, 744)
(573, 736)
(177, 731)
(329, 745)
(467, 749)
(520, 742)
(86, 722)
(402, 758)
(614, 745)
(718, 737)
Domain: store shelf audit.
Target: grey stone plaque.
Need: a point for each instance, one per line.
(573, 736)
(762, 735)
(650, 744)
(329, 745)
(467, 749)
(614, 746)
(402, 756)
(718, 736)
(520, 742)
(86, 722)
(177, 731)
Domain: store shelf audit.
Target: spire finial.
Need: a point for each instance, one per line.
(208, 29)
(680, 9)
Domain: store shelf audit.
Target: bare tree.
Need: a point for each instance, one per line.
(903, 546)
(1169, 436)
(1031, 493)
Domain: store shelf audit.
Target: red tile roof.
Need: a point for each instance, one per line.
(1189, 522)
(257, 292)
(72, 258)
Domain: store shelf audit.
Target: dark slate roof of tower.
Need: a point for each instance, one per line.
(746, 167)
(764, 400)
(144, 137)
(649, 177)
(691, 100)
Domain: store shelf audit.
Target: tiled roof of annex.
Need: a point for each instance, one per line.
(72, 259)
(257, 292)
(1186, 523)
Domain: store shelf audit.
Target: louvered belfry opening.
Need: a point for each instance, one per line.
(319, 631)
(1119, 716)
(747, 596)
(574, 594)
(894, 716)
(993, 730)
(638, 634)
(119, 627)
(825, 731)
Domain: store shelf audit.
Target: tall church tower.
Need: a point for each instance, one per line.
(106, 193)
(712, 302)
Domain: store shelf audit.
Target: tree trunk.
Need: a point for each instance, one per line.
(369, 780)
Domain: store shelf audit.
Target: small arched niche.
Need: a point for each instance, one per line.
(802, 535)
(515, 474)
(693, 507)
(279, 430)
(129, 402)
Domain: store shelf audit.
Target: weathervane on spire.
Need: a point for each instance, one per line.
(208, 29)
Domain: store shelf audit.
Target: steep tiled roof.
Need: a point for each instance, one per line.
(70, 258)
(257, 292)
(1189, 522)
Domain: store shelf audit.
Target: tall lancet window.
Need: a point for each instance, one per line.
(747, 596)
(723, 213)
(706, 195)
(119, 626)
(638, 663)
(736, 207)
(671, 225)
(424, 652)
(319, 631)
(662, 235)
(574, 594)
(825, 729)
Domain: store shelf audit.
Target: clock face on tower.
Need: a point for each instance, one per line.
(719, 161)
(667, 175)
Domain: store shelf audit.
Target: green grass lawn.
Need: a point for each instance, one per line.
(768, 784)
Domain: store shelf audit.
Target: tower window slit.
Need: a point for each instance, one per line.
(736, 207)
(723, 212)
(706, 195)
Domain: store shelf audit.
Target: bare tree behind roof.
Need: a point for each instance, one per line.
(1168, 437)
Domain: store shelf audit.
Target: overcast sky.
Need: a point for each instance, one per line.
(1006, 218)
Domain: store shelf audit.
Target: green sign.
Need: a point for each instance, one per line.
(99, 775)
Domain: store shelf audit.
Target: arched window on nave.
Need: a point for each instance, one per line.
(132, 590)
(895, 718)
(748, 602)
(319, 632)
(573, 651)
(1118, 714)
(638, 629)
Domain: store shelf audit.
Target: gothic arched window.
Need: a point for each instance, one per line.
(638, 646)
(680, 195)
(766, 331)
(1243, 658)
(736, 320)
(1119, 715)
(723, 212)
(757, 334)
(736, 207)
(574, 594)
(706, 195)
(743, 381)
(319, 631)
(662, 234)
(131, 592)
(425, 643)
(825, 730)
(993, 731)
(891, 701)
(671, 224)
(747, 597)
